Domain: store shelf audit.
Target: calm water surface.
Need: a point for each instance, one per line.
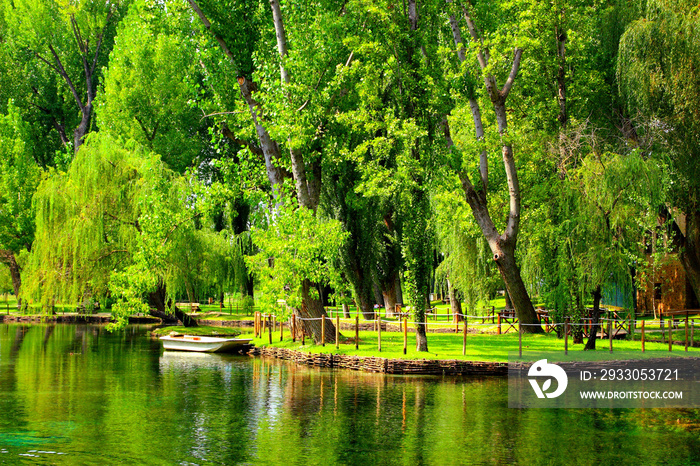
(80, 395)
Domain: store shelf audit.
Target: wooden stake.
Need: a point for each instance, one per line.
(464, 338)
(686, 330)
(663, 334)
(643, 336)
(520, 340)
(566, 336)
(294, 328)
(405, 334)
(357, 330)
(610, 334)
(379, 333)
(670, 335)
(499, 323)
(281, 331)
(337, 331)
(323, 330)
(269, 330)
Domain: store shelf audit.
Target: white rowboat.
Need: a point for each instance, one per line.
(202, 343)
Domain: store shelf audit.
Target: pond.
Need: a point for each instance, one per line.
(81, 395)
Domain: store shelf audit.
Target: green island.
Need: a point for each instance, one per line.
(349, 232)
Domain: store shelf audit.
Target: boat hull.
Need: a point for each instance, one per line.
(203, 344)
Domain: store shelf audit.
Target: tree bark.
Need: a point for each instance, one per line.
(312, 309)
(595, 319)
(389, 294)
(560, 31)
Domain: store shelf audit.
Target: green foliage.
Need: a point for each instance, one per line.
(5, 280)
(19, 177)
(152, 86)
(658, 77)
(297, 246)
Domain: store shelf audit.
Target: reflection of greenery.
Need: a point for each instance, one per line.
(67, 388)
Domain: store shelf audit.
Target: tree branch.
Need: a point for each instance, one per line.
(145, 131)
(483, 54)
(513, 73)
(207, 25)
(252, 147)
(61, 71)
(177, 225)
(99, 42)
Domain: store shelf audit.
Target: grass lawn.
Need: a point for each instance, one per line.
(203, 331)
(481, 347)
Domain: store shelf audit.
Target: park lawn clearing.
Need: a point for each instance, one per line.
(480, 347)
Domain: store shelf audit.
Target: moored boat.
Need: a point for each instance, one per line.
(202, 343)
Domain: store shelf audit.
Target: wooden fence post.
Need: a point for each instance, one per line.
(281, 331)
(357, 330)
(670, 335)
(323, 330)
(464, 338)
(294, 328)
(405, 334)
(337, 331)
(566, 336)
(610, 334)
(269, 329)
(499, 323)
(379, 332)
(686, 331)
(520, 340)
(643, 339)
(663, 334)
(692, 332)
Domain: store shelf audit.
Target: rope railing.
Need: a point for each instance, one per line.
(266, 323)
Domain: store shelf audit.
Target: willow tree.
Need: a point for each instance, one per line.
(110, 226)
(658, 73)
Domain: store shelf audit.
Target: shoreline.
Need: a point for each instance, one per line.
(374, 364)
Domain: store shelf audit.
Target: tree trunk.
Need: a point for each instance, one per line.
(8, 258)
(159, 308)
(515, 288)
(378, 294)
(399, 289)
(455, 304)
(595, 318)
(312, 308)
(389, 295)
